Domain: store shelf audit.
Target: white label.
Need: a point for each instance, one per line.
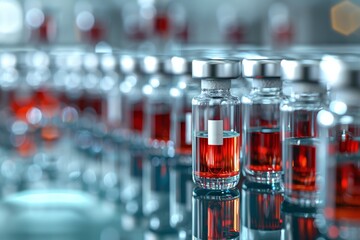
(215, 131)
(188, 128)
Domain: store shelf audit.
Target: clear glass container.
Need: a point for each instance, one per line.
(299, 133)
(261, 216)
(216, 133)
(160, 152)
(216, 214)
(261, 121)
(133, 101)
(338, 155)
(181, 184)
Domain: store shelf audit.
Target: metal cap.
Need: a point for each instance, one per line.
(215, 68)
(91, 61)
(178, 65)
(129, 63)
(300, 70)
(108, 62)
(261, 68)
(341, 72)
(152, 64)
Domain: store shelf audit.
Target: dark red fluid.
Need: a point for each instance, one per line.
(137, 117)
(217, 161)
(161, 126)
(265, 150)
(162, 24)
(183, 147)
(264, 211)
(303, 228)
(303, 167)
(345, 204)
(223, 219)
(91, 102)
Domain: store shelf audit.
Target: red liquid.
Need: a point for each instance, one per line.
(161, 126)
(222, 219)
(344, 203)
(303, 228)
(216, 215)
(137, 117)
(183, 147)
(304, 124)
(300, 165)
(94, 103)
(162, 24)
(264, 150)
(214, 161)
(263, 210)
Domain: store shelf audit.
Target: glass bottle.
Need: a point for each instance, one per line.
(133, 119)
(338, 155)
(181, 184)
(261, 216)
(261, 121)
(299, 132)
(156, 132)
(216, 114)
(216, 214)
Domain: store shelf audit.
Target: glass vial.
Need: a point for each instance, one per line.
(133, 115)
(156, 132)
(339, 151)
(261, 216)
(216, 114)
(216, 214)
(299, 133)
(181, 184)
(261, 121)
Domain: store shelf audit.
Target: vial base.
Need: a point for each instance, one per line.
(263, 177)
(302, 198)
(216, 183)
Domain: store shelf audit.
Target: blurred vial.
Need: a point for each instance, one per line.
(40, 22)
(299, 132)
(338, 153)
(216, 116)
(90, 22)
(261, 216)
(261, 121)
(110, 120)
(133, 119)
(160, 153)
(299, 222)
(181, 184)
(216, 214)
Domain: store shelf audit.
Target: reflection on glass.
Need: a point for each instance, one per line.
(216, 214)
(261, 211)
(299, 222)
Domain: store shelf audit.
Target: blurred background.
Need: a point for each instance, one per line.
(131, 23)
(65, 164)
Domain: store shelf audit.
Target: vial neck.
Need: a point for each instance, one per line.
(306, 96)
(212, 85)
(266, 87)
